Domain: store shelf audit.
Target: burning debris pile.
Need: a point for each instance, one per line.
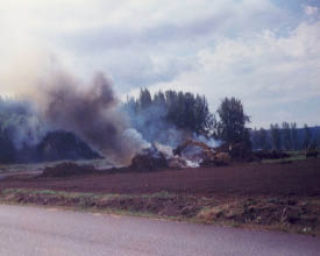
(200, 154)
(190, 154)
(149, 159)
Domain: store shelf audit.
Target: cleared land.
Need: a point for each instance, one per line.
(276, 196)
(300, 178)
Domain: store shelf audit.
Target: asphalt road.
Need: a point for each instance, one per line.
(32, 231)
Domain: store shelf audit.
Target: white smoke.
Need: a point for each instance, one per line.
(211, 142)
(136, 139)
(20, 122)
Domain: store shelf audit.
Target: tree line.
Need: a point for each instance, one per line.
(286, 136)
(182, 110)
(190, 112)
(166, 117)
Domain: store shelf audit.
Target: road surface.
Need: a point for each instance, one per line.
(28, 231)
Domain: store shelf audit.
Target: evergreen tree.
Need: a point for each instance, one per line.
(294, 136)
(184, 111)
(275, 136)
(159, 99)
(145, 99)
(263, 139)
(255, 138)
(307, 137)
(231, 126)
(286, 135)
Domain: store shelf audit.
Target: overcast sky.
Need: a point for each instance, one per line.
(265, 52)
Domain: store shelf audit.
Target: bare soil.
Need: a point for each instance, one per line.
(281, 196)
(299, 178)
(294, 214)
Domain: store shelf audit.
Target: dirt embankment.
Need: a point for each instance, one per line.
(290, 214)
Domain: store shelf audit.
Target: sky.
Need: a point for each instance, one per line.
(264, 52)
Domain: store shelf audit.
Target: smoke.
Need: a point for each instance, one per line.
(151, 123)
(47, 98)
(136, 140)
(91, 112)
(20, 122)
(43, 97)
(211, 142)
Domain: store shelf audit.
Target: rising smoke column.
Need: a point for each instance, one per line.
(92, 114)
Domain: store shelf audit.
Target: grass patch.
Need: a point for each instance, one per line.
(284, 160)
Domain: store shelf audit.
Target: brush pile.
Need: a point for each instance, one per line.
(190, 154)
(149, 159)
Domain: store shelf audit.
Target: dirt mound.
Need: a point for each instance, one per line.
(292, 214)
(68, 169)
(163, 204)
(271, 211)
(61, 145)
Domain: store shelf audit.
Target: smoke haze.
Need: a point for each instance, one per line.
(47, 98)
(91, 113)
(51, 99)
(22, 123)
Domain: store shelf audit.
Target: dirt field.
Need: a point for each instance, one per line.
(269, 196)
(300, 178)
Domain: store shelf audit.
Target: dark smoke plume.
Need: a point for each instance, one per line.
(91, 114)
